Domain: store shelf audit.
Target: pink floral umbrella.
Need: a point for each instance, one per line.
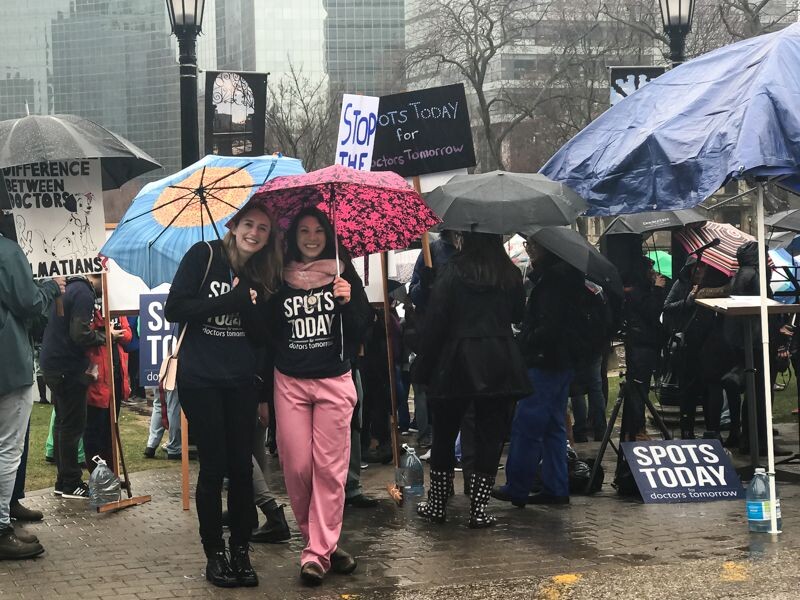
(371, 211)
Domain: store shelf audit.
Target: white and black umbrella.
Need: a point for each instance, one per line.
(47, 138)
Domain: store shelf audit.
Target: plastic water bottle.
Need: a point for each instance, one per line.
(411, 475)
(104, 486)
(759, 511)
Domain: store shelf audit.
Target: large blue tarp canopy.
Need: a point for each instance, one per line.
(731, 113)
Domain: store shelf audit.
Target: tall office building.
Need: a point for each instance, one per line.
(290, 35)
(235, 34)
(111, 61)
(26, 56)
(114, 63)
(364, 44)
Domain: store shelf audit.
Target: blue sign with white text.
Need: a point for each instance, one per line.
(157, 336)
(672, 471)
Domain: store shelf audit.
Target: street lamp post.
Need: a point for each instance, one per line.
(186, 19)
(676, 16)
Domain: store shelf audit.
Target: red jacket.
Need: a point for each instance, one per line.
(99, 393)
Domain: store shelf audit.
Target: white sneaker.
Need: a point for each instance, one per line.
(426, 456)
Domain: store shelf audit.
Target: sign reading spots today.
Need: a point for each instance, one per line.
(310, 316)
(682, 471)
(424, 131)
(157, 337)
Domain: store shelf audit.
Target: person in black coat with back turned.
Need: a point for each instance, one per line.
(645, 293)
(468, 356)
(745, 282)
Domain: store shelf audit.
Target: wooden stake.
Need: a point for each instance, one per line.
(394, 491)
(112, 405)
(184, 460)
(135, 501)
(117, 456)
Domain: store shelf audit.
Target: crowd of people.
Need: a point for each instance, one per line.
(282, 352)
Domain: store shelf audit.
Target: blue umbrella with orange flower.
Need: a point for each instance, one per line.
(170, 215)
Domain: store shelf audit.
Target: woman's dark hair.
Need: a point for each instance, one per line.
(483, 259)
(293, 252)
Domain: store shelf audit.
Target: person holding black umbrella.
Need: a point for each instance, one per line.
(468, 358)
(539, 429)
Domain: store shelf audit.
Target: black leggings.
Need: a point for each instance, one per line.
(491, 425)
(222, 424)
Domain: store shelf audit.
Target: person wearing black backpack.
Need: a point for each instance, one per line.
(549, 343)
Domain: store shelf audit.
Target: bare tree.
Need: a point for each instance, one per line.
(744, 19)
(588, 43)
(461, 40)
(715, 23)
(302, 118)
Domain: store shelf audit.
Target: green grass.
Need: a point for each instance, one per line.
(784, 401)
(134, 429)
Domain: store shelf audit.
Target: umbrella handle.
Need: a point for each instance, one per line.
(426, 243)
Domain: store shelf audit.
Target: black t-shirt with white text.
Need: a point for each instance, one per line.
(309, 333)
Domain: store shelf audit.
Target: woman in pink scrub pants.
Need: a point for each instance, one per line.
(320, 320)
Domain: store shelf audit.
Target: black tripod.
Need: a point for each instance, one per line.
(622, 398)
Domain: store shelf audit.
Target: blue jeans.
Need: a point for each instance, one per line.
(591, 379)
(15, 414)
(539, 434)
(174, 418)
(22, 471)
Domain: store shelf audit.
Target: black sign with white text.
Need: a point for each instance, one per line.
(424, 131)
(673, 471)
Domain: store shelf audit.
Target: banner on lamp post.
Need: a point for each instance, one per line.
(623, 81)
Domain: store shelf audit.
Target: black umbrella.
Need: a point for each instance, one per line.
(504, 203)
(571, 247)
(787, 219)
(654, 221)
(35, 139)
(775, 240)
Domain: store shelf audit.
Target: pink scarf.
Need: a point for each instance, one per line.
(308, 276)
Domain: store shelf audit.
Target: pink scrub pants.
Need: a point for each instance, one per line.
(313, 418)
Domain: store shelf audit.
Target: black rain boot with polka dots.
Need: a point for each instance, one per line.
(481, 489)
(435, 508)
(451, 488)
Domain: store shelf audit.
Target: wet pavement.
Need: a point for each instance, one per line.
(597, 547)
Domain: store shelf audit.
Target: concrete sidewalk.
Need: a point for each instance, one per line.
(599, 547)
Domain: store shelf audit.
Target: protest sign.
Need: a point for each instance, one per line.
(58, 214)
(357, 131)
(673, 471)
(157, 337)
(424, 131)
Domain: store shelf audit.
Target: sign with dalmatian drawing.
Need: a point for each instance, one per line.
(58, 214)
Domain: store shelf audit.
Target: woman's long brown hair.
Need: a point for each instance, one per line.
(263, 269)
